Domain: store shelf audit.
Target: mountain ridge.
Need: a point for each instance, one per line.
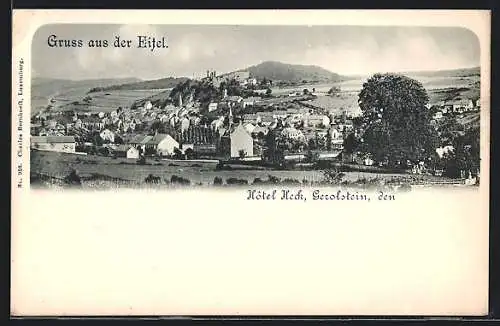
(276, 70)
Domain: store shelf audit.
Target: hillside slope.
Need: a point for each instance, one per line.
(50, 86)
(275, 70)
(163, 83)
(464, 72)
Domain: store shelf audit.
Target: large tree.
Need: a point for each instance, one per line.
(396, 118)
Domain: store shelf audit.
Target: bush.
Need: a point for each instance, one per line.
(290, 181)
(180, 180)
(141, 160)
(333, 176)
(73, 179)
(235, 181)
(217, 181)
(257, 181)
(152, 179)
(273, 179)
(221, 166)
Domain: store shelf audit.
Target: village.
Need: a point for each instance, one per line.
(241, 122)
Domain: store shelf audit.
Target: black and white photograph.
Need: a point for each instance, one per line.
(221, 105)
(250, 163)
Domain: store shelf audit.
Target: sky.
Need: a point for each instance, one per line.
(192, 49)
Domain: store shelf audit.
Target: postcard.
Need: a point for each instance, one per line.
(250, 163)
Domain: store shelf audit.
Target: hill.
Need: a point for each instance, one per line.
(163, 83)
(464, 72)
(275, 70)
(48, 86)
(45, 89)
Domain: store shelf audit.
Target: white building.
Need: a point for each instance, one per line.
(249, 127)
(107, 135)
(162, 144)
(185, 124)
(251, 100)
(293, 134)
(127, 151)
(212, 106)
(240, 141)
(65, 144)
(441, 151)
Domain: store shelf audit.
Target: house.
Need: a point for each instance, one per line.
(222, 131)
(252, 81)
(107, 136)
(217, 124)
(127, 151)
(441, 151)
(438, 115)
(252, 118)
(236, 142)
(260, 131)
(346, 126)
(162, 144)
(296, 157)
(139, 141)
(249, 127)
(316, 120)
(331, 155)
(251, 101)
(35, 128)
(232, 101)
(293, 134)
(267, 120)
(212, 106)
(92, 122)
(335, 133)
(185, 123)
(368, 161)
(337, 139)
(205, 149)
(65, 144)
(458, 106)
(186, 146)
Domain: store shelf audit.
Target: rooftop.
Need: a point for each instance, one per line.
(156, 139)
(52, 139)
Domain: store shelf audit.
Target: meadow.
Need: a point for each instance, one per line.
(102, 101)
(127, 171)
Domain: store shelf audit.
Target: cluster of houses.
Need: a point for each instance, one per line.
(244, 139)
(149, 130)
(456, 106)
(128, 133)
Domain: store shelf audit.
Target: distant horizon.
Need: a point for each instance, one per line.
(202, 75)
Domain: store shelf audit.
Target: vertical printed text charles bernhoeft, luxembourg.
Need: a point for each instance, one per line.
(20, 100)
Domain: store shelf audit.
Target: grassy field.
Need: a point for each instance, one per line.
(102, 101)
(59, 165)
(346, 101)
(44, 89)
(356, 84)
(438, 89)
